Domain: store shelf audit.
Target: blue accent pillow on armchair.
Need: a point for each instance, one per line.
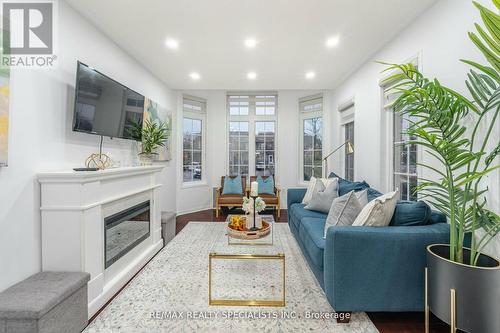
(232, 185)
(266, 186)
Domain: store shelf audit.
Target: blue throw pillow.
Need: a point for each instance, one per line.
(266, 186)
(346, 186)
(411, 213)
(232, 185)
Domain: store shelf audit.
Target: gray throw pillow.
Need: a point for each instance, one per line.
(345, 209)
(322, 197)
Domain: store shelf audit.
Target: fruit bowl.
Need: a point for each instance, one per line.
(236, 228)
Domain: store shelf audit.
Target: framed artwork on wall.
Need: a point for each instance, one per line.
(4, 114)
(154, 112)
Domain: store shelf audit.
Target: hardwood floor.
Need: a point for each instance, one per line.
(386, 322)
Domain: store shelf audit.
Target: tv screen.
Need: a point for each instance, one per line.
(106, 107)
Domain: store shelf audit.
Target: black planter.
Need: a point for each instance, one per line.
(477, 290)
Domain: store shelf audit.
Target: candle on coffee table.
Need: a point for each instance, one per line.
(254, 189)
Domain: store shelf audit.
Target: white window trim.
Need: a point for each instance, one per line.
(198, 116)
(387, 127)
(303, 115)
(347, 112)
(251, 118)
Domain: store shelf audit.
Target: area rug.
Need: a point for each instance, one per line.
(171, 295)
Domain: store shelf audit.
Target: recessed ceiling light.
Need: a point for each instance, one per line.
(310, 75)
(252, 75)
(250, 43)
(172, 44)
(195, 76)
(332, 41)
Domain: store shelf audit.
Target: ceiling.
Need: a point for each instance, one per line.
(291, 38)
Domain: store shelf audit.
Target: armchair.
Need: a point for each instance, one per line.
(271, 200)
(229, 200)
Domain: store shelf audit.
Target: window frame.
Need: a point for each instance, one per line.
(388, 141)
(194, 115)
(346, 156)
(347, 111)
(252, 118)
(304, 115)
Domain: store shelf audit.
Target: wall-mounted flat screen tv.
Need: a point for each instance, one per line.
(106, 107)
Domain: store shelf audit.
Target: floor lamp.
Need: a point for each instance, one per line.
(350, 150)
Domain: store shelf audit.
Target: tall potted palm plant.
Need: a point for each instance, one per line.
(463, 282)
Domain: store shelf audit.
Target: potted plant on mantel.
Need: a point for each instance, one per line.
(463, 283)
(152, 135)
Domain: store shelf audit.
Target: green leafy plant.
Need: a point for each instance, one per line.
(152, 134)
(449, 127)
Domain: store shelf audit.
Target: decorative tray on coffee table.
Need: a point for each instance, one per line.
(236, 228)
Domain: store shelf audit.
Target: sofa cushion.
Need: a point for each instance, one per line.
(373, 193)
(297, 212)
(437, 217)
(311, 236)
(346, 186)
(411, 213)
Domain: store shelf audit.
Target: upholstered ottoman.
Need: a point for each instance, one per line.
(46, 302)
(167, 226)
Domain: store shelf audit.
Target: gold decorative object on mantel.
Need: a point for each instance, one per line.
(100, 161)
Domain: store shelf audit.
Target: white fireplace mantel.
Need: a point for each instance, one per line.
(73, 207)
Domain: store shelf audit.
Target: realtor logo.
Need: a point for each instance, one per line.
(28, 31)
(28, 28)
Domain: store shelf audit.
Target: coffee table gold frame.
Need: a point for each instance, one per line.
(236, 302)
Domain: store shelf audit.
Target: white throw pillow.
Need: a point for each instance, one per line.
(345, 209)
(310, 189)
(378, 212)
(322, 197)
(312, 184)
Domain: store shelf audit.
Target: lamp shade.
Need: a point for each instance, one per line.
(350, 147)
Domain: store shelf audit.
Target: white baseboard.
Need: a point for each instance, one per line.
(194, 210)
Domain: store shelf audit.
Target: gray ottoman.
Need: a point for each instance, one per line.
(45, 302)
(167, 226)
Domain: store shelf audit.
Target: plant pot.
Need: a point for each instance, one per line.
(477, 289)
(147, 159)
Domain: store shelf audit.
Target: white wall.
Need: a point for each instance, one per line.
(287, 174)
(439, 36)
(40, 138)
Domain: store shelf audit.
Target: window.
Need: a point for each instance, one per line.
(193, 139)
(404, 174)
(252, 133)
(405, 159)
(311, 119)
(349, 156)
(238, 147)
(264, 147)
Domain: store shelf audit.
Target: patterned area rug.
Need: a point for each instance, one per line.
(171, 295)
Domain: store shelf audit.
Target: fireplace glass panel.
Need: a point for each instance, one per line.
(125, 230)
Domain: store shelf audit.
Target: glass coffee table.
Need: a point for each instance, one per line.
(247, 272)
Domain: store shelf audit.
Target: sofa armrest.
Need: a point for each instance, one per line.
(378, 268)
(295, 195)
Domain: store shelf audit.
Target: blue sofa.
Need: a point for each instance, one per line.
(368, 268)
